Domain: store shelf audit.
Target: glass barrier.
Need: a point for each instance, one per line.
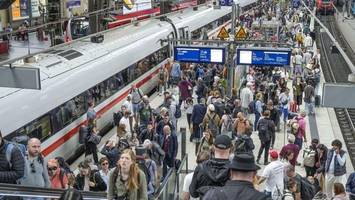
(173, 182)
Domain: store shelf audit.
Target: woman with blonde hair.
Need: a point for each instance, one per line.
(127, 181)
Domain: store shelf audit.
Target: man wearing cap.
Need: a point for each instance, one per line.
(273, 174)
(290, 147)
(240, 186)
(212, 172)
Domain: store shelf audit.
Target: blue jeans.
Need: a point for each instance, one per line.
(284, 113)
(299, 142)
(310, 108)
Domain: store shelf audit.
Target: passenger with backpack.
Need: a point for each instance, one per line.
(227, 123)
(310, 156)
(206, 143)
(57, 175)
(240, 184)
(211, 121)
(242, 125)
(88, 179)
(145, 112)
(265, 128)
(214, 171)
(127, 181)
(12, 162)
(36, 174)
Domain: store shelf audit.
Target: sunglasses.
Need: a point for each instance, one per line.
(105, 163)
(52, 168)
(33, 169)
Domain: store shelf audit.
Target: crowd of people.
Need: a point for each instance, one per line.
(222, 125)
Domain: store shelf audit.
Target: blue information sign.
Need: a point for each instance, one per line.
(199, 54)
(225, 2)
(264, 56)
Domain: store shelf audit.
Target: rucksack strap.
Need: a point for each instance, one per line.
(8, 151)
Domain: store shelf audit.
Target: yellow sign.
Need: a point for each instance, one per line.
(241, 34)
(223, 34)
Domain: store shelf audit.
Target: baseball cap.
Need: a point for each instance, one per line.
(273, 154)
(222, 142)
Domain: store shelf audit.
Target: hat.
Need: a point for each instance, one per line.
(211, 107)
(291, 138)
(273, 154)
(243, 162)
(222, 142)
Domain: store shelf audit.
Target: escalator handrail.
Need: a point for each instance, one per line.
(26, 191)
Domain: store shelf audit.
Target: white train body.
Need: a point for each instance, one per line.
(104, 72)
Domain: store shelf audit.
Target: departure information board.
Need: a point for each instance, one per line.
(199, 54)
(264, 56)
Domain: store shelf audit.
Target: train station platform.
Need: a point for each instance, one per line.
(347, 28)
(19, 48)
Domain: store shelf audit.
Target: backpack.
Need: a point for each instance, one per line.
(83, 134)
(308, 191)
(286, 195)
(263, 128)
(251, 107)
(229, 124)
(117, 117)
(213, 126)
(61, 177)
(309, 157)
(9, 146)
(177, 112)
(144, 168)
(161, 74)
(244, 144)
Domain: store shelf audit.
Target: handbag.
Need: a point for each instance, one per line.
(94, 138)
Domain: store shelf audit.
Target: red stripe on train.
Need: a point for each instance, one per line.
(103, 110)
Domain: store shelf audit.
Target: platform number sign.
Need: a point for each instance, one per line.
(225, 2)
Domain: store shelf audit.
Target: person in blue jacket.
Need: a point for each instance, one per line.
(350, 186)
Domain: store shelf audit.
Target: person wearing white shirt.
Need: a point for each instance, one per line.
(246, 96)
(335, 168)
(285, 99)
(105, 171)
(125, 120)
(273, 174)
(129, 107)
(308, 41)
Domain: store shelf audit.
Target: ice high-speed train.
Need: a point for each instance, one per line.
(83, 71)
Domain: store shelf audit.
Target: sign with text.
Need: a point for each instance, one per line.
(264, 56)
(225, 2)
(130, 6)
(199, 54)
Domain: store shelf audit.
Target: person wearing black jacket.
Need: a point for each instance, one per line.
(274, 116)
(112, 153)
(95, 182)
(240, 186)
(149, 134)
(198, 113)
(16, 171)
(266, 128)
(212, 172)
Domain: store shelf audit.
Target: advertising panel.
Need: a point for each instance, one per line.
(19, 9)
(73, 3)
(34, 8)
(130, 6)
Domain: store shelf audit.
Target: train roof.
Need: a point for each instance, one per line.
(70, 70)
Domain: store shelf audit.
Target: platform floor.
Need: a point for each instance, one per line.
(20, 48)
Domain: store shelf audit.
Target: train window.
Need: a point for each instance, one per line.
(39, 128)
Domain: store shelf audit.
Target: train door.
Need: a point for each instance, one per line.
(171, 45)
(184, 34)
